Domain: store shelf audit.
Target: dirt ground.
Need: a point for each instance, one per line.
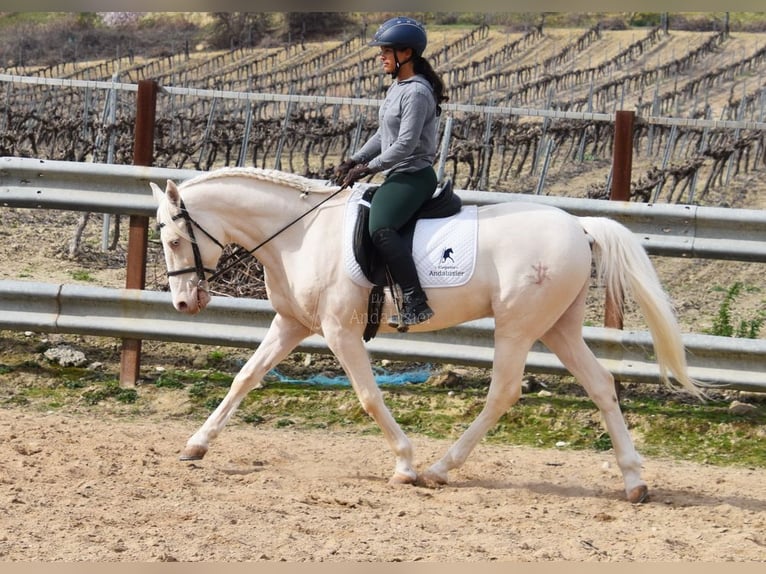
(77, 488)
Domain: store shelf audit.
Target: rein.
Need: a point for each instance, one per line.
(200, 269)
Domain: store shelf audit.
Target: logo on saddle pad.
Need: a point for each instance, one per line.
(444, 250)
(447, 267)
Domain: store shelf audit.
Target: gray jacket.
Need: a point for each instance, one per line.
(407, 129)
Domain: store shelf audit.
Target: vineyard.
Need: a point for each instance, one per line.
(491, 74)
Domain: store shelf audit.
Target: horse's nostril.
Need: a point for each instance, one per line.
(182, 305)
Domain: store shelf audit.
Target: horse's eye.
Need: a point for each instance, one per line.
(175, 242)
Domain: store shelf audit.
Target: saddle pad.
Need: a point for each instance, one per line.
(444, 249)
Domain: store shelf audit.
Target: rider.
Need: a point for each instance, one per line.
(404, 149)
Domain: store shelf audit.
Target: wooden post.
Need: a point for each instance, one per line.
(143, 152)
(622, 161)
(622, 164)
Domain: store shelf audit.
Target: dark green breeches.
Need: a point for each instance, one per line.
(399, 197)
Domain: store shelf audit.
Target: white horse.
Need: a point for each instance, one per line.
(532, 274)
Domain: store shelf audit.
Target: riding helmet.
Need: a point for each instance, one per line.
(401, 32)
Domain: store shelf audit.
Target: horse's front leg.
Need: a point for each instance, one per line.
(349, 349)
(283, 336)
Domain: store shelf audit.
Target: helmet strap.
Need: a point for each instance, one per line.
(398, 64)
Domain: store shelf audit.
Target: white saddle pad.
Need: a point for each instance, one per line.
(444, 250)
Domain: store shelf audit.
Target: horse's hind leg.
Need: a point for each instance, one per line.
(566, 341)
(283, 336)
(504, 391)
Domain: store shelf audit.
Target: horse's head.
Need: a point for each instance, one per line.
(190, 251)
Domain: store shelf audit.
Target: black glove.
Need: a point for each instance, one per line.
(356, 173)
(342, 170)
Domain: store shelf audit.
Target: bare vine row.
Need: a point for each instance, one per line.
(485, 152)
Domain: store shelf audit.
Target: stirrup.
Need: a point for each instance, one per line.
(409, 318)
(414, 310)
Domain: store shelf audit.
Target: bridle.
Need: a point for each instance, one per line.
(200, 270)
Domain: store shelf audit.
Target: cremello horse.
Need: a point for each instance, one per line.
(532, 275)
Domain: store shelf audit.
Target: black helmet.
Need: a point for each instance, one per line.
(401, 32)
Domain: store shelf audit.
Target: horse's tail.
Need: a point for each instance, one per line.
(624, 267)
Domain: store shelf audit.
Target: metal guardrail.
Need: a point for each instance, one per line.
(670, 230)
(664, 229)
(130, 313)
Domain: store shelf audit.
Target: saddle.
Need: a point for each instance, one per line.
(444, 203)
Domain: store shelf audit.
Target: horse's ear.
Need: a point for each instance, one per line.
(172, 193)
(156, 192)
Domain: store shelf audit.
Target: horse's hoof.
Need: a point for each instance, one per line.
(193, 452)
(401, 478)
(431, 480)
(639, 494)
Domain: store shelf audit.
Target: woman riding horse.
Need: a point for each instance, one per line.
(403, 148)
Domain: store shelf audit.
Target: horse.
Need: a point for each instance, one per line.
(532, 273)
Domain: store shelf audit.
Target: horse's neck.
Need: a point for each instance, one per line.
(253, 214)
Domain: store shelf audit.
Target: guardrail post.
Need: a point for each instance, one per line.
(622, 165)
(143, 152)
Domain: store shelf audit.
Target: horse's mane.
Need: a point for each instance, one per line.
(291, 180)
(271, 175)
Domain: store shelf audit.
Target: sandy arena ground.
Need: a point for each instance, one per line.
(75, 488)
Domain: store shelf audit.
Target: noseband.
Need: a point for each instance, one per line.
(198, 268)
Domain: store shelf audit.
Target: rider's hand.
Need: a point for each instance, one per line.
(342, 171)
(356, 173)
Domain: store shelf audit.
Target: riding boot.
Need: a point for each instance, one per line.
(396, 253)
(415, 308)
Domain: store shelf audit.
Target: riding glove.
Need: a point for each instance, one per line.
(356, 173)
(342, 170)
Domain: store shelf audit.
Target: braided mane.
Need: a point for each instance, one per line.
(271, 175)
